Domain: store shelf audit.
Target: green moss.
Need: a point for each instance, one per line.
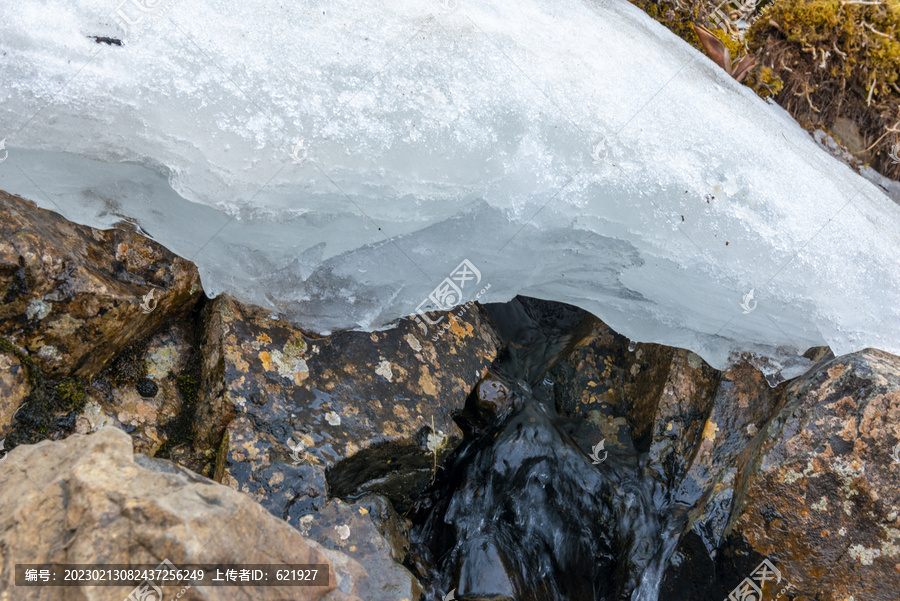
(71, 392)
(188, 385)
(765, 82)
(679, 18)
(835, 59)
(50, 407)
(181, 430)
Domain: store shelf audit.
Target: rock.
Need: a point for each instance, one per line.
(719, 422)
(13, 389)
(148, 391)
(327, 406)
(488, 406)
(88, 499)
(304, 418)
(743, 403)
(821, 499)
(73, 295)
(684, 404)
(374, 535)
(611, 391)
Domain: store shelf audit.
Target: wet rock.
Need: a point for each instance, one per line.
(133, 509)
(522, 514)
(74, 297)
(684, 404)
(302, 418)
(719, 434)
(146, 391)
(328, 405)
(537, 334)
(602, 374)
(13, 389)
(822, 500)
(488, 406)
(743, 403)
(374, 535)
(611, 392)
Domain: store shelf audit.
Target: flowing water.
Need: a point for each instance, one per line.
(519, 510)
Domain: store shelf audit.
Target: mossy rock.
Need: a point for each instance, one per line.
(834, 60)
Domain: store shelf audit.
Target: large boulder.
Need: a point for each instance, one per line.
(820, 498)
(88, 499)
(370, 412)
(73, 296)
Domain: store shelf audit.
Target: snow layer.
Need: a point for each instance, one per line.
(336, 161)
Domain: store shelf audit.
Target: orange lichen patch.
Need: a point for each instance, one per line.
(266, 361)
(263, 338)
(836, 370)
(427, 384)
(461, 328)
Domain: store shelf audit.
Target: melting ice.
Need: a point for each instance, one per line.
(336, 161)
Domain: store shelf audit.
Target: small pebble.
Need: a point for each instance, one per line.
(147, 388)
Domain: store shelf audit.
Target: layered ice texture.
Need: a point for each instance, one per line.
(337, 161)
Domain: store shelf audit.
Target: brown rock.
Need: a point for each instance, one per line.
(72, 295)
(743, 403)
(89, 500)
(373, 534)
(720, 421)
(373, 409)
(615, 390)
(13, 389)
(822, 498)
(142, 392)
(684, 404)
